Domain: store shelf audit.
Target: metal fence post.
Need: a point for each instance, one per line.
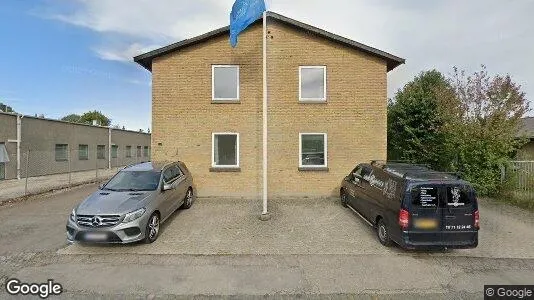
(96, 163)
(70, 164)
(27, 173)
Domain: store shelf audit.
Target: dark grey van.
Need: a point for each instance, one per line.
(413, 206)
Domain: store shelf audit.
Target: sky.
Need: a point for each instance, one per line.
(70, 56)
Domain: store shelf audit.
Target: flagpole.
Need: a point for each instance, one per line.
(265, 214)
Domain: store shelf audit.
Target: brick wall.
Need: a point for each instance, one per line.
(354, 116)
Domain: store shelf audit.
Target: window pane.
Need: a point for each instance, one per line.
(61, 152)
(225, 150)
(225, 82)
(101, 151)
(145, 151)
(312, 83)
(114, 150)
(313, 150)
(83, 152)
(138, 151)
(128, 151)
(425, 196)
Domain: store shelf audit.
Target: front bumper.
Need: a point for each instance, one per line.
(122, 233)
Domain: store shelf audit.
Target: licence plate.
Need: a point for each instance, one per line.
(96, 236)
(426, 223)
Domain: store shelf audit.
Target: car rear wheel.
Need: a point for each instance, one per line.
(152, 228)
(344, 199)
(188, 201)
(383, 234)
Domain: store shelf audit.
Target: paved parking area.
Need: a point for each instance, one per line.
(308, 226)
(309, 249)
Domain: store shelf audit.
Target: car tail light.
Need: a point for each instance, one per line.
(404, 218)
(476, 214)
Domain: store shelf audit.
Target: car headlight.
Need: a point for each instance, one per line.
(73, 215)
(133, 215)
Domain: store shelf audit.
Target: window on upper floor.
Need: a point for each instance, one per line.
(225, 83)
(313, 150)
(312, 83)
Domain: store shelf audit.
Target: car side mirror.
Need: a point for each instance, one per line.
(166, 187)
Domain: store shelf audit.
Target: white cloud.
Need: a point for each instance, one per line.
(429, 34)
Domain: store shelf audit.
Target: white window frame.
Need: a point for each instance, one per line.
(323, 99)
(213, 82)
(325, 135)
(213, 150)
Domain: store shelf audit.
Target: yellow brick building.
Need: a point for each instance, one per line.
(327, 102)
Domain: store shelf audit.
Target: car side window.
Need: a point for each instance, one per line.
(179, 172)
(168, 175)
(357, 172)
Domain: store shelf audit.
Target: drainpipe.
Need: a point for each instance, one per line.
(18, 141)
(109, 147)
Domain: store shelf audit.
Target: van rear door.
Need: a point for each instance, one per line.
(458, 207)
(425, 214)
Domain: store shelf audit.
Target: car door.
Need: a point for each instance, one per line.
(353, 180)
(180, 187)
(364, 192)
(167, 197)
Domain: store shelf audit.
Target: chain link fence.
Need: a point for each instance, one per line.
(65, 167)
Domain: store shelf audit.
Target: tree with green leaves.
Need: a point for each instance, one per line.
(466, 124)
(415, 122)
(88, 117)
(74, 118)
(6, 108)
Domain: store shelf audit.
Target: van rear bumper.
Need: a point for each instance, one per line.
(437, 240)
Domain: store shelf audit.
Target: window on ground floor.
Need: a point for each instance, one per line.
(83, 152)
(145, 151)
(128, 151)
(312, 81)
(313, 150)
(114, 151)
(62, 152)
(101, 152)
(225, 150)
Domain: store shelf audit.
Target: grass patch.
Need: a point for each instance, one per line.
(523, 199)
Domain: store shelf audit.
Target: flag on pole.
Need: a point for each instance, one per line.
(244, 13)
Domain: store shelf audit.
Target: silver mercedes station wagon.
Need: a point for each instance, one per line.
(131, 206)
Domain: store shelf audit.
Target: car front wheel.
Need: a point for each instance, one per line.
(343, 197)
(152, 228)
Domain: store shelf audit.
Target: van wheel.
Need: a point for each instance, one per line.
(343, 197)
(383, 234)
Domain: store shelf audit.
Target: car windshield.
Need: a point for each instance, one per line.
(134, 181)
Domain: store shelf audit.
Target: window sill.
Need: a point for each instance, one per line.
(225, 101)
(313, 169)
(225, 169)
(313, 101)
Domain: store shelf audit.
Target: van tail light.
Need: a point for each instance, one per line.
(404, 219)
(476, 214)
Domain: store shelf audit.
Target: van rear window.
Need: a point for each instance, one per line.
(458, 196)
(425, 196)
